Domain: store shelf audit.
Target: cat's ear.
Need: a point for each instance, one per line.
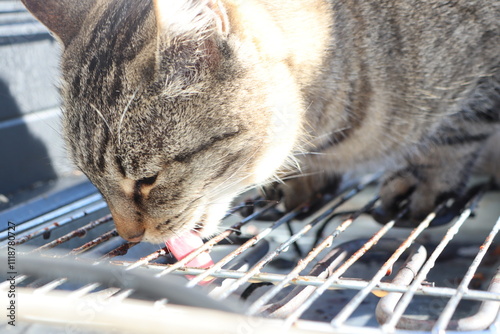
(63, 17)
(190, 18)
(220, 16)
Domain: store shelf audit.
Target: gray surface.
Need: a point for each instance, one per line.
(31, 148)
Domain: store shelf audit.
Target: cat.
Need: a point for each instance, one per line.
(173, 107)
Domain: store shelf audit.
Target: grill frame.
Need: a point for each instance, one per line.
(93, 204)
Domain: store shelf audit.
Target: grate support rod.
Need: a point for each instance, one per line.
(282, 247)
(36, 222)
(50, 286)
(245, 246)
(337, 273)
(450, 308)
(97, 241)
(361, 295)
(75, 233)
(390, 326)
(327, 242)
(212, 242)
(341, 283)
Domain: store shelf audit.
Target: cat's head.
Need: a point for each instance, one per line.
(170, 108)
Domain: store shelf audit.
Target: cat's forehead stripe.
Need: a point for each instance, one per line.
(120, 26)
(118, 37)
(101, 149)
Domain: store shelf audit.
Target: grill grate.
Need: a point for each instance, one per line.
(355, 273)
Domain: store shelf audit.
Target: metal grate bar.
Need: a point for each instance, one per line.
(6, 284)
(151, 257)
(50, 286)
(84, 290)
(106, 293)
(339, 271)
(120, 250)
(70, 208)
(226, 291)
(307, 287)
(212, 242)
(80, 232)
(354, 303)
(452, 231)
(327, 242)
(340, 284)
(254, 240)
(49, 227)
(120, 296)
(450, 308)
(97, 241)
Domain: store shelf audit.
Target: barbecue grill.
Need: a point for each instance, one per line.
(336, 270)
(326, 266)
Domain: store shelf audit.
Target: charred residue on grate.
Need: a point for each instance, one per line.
(316, 268)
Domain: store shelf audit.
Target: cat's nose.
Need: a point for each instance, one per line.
(128, 228)
(132, 235)
(137, 238)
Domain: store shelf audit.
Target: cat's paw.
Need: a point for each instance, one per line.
(299, 189)
(418, 190)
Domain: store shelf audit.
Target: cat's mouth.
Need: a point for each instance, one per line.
(189, 238)
(187, 243)
(183, 235)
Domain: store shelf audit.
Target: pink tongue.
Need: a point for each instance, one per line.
(184, 245)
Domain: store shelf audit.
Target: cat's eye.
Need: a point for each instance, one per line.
(148, 180)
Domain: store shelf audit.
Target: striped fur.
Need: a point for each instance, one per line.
(173, 107)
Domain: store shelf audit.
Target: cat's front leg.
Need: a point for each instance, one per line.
(436, 173)
(299, 187)
(445, 158)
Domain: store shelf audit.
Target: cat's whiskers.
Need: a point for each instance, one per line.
(177, 235)
(223, 183)
(215, 201)
(311, 153)
(308, 141)
(122, 117)
(222, 187)
(294, 162)
(214, 193)
(275, 178)
(290, 177)
(101, 116)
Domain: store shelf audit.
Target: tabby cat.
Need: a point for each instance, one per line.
(173, 107)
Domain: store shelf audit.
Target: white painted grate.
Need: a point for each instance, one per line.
(357, 276)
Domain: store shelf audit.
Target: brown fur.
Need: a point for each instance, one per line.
(172, 108)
